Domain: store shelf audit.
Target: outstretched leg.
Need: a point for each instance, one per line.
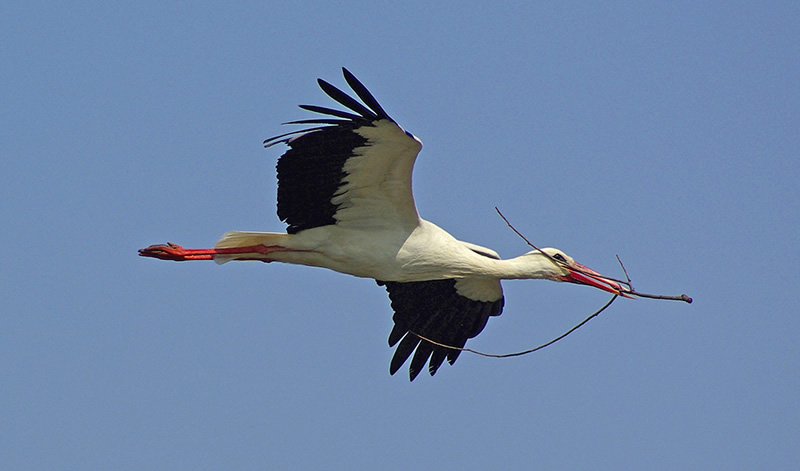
(170, 251)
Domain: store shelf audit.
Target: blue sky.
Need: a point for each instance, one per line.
(667, 134)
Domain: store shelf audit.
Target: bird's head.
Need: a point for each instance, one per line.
(562, 267)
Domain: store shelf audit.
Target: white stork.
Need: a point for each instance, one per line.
(344, 189)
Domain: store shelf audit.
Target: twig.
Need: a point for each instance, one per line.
(525, 352)
(682, 297)
(624, 271)
(629, 291)
(632, 291)
(518, 232)
(545, 253)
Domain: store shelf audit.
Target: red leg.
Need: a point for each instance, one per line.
(170, 251)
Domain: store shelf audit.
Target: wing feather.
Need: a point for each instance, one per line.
(331, 111)
(437, 310)
(364, 94)
(351, 169)
(346, 100)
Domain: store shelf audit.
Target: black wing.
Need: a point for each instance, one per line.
(435, 310)
(313, 175)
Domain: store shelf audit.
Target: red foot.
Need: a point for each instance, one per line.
(170, 251)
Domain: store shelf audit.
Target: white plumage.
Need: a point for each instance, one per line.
(344, 189)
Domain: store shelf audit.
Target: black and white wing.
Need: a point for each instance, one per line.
(353, 168)
(448, 312)
(350, 168)
(437, 310)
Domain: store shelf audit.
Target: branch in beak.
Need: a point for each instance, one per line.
(586, 276)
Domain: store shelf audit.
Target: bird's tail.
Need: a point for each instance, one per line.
(235, 239)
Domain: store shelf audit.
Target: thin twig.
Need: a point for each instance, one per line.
(632, 291)
(519, 233)
(545, 253)
(525, 352)
(629, 291)
(682, 297)
(624, 271)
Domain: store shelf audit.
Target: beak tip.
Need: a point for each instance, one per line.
(590, 277)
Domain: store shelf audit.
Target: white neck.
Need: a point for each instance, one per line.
(526, 266)
(468, 263)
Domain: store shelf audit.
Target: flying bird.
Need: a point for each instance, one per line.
(344, 190)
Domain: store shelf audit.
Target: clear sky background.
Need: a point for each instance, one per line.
(667, 134)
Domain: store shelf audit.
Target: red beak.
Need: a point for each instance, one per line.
(586, 276)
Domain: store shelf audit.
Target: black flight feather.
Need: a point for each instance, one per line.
(434, 310)
(331, 111)
(364, 94)
(346, 100)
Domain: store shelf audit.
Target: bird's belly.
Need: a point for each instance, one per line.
(367, 254)
(387, 254)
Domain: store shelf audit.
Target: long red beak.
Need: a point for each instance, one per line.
(586, 276)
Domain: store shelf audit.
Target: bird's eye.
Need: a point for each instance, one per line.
(560, 258)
